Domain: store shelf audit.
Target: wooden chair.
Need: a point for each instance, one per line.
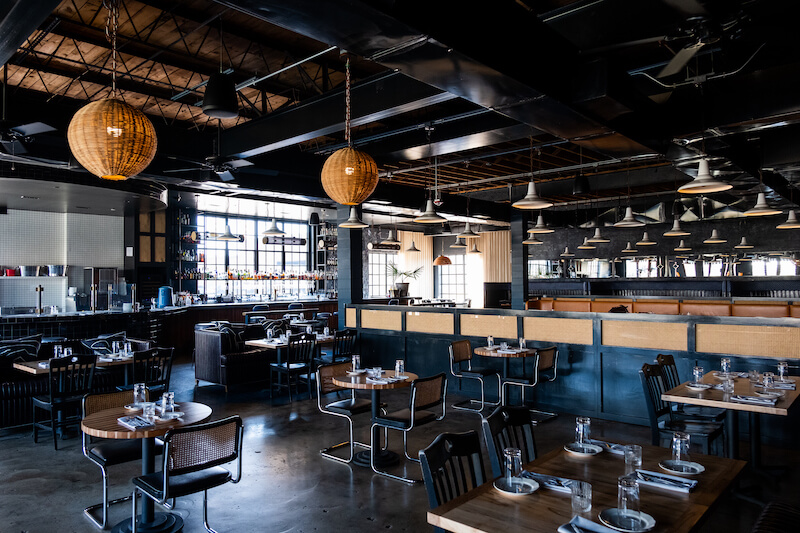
(426, 393)
(461, 354)
(193, 456)
(669, 371)
(508, 427)
(70, 379)
(662, 422)
(451, 466)
(777, 517)
(299, 356)
(342, 408)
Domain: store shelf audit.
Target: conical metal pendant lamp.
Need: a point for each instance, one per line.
(628, 221)
(459, 243)
(220, 99)
(390, 239)
(430, 216)
(704, 182)
(468, 233)
(682, 247)
(646, 241)
(791, 222)
(474, 249)
(540, 227)
(715, 238)
(413, 248)
(532, 240)
(761, 208)
(353, 222)
(273, 230)
(629, 249)
(228, 236)
(532, 200)
(597, 238)
(676, 230)
(567, 253)
(586, 245)
(744, 245)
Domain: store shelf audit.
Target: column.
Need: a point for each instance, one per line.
(350, 263)
(519, 259)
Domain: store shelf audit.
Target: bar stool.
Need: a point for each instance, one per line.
(460, 353)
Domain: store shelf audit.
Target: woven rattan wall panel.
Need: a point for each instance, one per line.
(391, 320)
(764, 341)
(350, 317)
(430, 322)
(566, 330)
(649, 335)
(501, 327)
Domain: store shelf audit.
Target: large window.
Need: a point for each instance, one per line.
(379, 279)
(452, 279)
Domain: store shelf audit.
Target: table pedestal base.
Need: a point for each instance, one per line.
(383, 458)
(162, 523)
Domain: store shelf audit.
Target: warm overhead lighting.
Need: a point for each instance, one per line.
(645, 241)
(629, 250)
(468, 233)
(775, 253)
(586, 245)
(761, 208)
(704, 182)
(442, 260)
(791, 222)
(273, 230)
(744, 259)
(597, 237)
(532, 200)
(714, 239)
(474, 249)
(532, 240)
(682, 247)
(458, 244)
(413, 248)
(540, 227)
(228, 236)
(628, 221)
(743, 245)
(353, 222)
(676, 230)
(430, 216)
(390, 239)
(567, 253)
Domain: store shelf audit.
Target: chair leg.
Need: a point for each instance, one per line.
(53, 428)
(381, 473)
(205, 512)
(405, 448)
(351, 443)
(135, 512)
(35, 427)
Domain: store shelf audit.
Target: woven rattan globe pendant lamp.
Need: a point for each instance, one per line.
(110, 138)
(349, 176)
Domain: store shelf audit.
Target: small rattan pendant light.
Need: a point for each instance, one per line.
(110, 138)
(349, 176)
(442, 260)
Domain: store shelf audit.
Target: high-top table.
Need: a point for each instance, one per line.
(383, 458)
(507, 355)
(486, 510)
(104, 424)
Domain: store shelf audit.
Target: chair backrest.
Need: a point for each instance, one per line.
(261, 307)
(301, 348)
(653, 387)
(548, 358)
(344, 343)
(427, 393)
(93, 403)
(394, 301)
(508, 427)
(325, 374)
(451, 466)
(669, 370)
(153, 367)
(293, 316)
(295, 305)
(460, 351)
(71, 377)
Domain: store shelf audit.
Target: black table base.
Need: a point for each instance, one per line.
(383, 458)
(162, 523)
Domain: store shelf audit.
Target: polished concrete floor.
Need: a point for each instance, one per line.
(287, 486)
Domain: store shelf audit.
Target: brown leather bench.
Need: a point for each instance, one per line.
(769, 310)
(706, 308)
(581, 305)
(603, 305)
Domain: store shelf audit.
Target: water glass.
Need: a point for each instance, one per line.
(399, 367)
(326, 331)
(581, 497)
(783, 370)
(356, 362)
(697, 374)
(128, 348)
(513, 466)
(680, 447)
(67, 352)
(168, 402)
(58, 351)
(727, 385)
(116, 347)
(490, 341)
(377, 371)
(138, 393)
(309, 330)
(521, 343)
(633, 458)
(504, 346)
(269, 334)
(768, 380)
(725, 363)
(628, 502)
(582, 429)
(149, 412)
(754, 377)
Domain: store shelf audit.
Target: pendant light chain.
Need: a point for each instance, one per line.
(347, 104)
(112, 24)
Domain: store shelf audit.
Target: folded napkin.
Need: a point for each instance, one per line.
(611, 447)
(508, 351)
(785, 385)
(558, 484)
(378, 381)
(491, 347)
(755, 400)
(105, 359)
(44, 364)
(580, 524)
(665, 481)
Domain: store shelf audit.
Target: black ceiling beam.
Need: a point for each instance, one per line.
(373, 99)
(20, 21)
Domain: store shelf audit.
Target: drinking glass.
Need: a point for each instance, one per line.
(697, 374)
(309, 330)
(628, 502)
(513, 467)
(783, 370)
(399, 367)
(149, 412)
(138, 393)
(168, 402)
(680, 447)
(58, 351)
(326, 331)
(116, 347)
(582, 429)
(128, 348)
(504, 346)
(633, 458)
(754, 376)
(727, 385)
(490, 341)
(67, 352)
(356, 362)
(769, 380)
(377, 371)
(725, 363)
(269, 334)
(522, 345)
(581, 496)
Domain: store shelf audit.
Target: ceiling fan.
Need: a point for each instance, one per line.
(224, 167)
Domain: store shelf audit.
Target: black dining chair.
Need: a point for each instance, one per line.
(344, 346)
(451, 466)
(508, 427)
(461, 368)
(294, 305)
(299, 358)
(427, 396)
(261, 307)
(669, 371)
(152, 367)
(69, 380)
(347, 408)
(109, 452)
(663, 423)
(193, 459)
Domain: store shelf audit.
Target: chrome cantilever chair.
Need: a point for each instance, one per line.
(461, 353)
(426, 393)
(108, 452)
(545, 368)
(343, 408)
(193, 456)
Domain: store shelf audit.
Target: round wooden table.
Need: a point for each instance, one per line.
(383, 458)
(104, 424)
(485, 351)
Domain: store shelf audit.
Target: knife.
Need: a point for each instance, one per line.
(663, 480)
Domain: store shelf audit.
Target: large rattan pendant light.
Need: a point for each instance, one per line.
(110, 138)
(349, 176)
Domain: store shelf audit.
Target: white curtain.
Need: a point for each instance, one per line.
(496, 248)
(423, 285)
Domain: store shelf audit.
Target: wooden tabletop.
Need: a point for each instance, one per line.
(281, 311)
(360, 381)
(104, 423)
(274, 344)
(485, 351)
(32, 367)
(717, 398)
(486, 510)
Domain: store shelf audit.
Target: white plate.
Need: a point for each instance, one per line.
(698, 386)
(768, 394)
(523, 486)
(399, 378)
(613, 518)
(137, 406)
(355, 372)
(682, 467)
(170, 416)
(583, 449)
(721, 375)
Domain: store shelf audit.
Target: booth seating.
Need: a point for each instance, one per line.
(581, 305)
(604, 305)
(657, 307)
(764, 309)
(222, 357)
(706, 307)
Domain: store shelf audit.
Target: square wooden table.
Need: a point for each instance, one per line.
(486, 510)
